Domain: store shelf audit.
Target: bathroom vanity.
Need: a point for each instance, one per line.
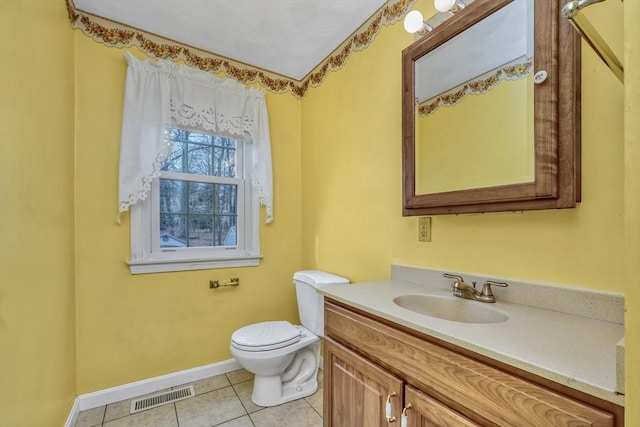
(387, 365)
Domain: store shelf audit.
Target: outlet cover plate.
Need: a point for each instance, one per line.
(424, 229)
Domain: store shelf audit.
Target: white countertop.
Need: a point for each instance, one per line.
(573, 350)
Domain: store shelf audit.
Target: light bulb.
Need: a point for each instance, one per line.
(413, 22)
(443, 5)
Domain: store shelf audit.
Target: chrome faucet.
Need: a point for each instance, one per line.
(464, 290)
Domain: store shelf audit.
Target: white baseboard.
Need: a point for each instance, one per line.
(73, 415)
(131, 390)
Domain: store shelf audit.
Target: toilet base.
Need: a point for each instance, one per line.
(299, 380)
(269, 391)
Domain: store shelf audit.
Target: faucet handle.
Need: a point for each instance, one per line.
(459, 282)
(457, 278)
(486, 288)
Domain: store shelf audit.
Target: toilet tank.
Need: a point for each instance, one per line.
(310, 302)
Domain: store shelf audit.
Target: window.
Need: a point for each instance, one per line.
(199, 213)
(195, 168)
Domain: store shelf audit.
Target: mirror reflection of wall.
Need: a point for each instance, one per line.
(474, 124)
(482, 142)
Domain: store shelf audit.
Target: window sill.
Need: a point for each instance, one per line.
(164, 266)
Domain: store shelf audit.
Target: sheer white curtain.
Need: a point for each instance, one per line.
(159, 95)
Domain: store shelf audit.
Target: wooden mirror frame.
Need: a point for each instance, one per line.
(556, 119)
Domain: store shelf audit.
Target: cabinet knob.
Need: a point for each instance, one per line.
(540, 77)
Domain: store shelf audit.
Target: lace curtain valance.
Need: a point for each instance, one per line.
(160, 95)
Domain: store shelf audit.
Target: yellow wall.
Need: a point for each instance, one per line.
(337, 170)
(632, 207)
(351, 162)
(351, 159)
(37, 317)
(132, 327)
(484, 140)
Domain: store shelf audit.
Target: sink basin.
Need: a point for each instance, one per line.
(451, 308)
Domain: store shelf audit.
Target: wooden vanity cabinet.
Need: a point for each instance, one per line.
(368, 359)
(358, 390)
(425, 411)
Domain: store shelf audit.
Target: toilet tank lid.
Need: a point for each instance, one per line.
(319, 279)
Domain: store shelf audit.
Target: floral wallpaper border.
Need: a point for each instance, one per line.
(477, 86)
(114, 34)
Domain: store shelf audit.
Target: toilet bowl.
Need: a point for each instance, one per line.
(285, 358)
(283, 373)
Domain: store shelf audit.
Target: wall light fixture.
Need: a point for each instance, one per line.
(415, 23)
(451, 6)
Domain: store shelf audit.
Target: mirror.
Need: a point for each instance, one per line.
(478, 134)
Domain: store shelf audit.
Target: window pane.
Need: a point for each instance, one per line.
(200, 197)
(175, 161)
(226, 230)
(201, 154)
(172, 196)
(200, 230)
(199, 159)
(200, 138)
(224, 159)
(173, 231)
(196, 214)
(226, 199)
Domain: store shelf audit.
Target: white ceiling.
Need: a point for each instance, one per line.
(288, 37)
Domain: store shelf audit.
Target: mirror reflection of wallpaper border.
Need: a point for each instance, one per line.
(116, 34)
(476, 60)
(517, 69)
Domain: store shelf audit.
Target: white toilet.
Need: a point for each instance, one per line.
(285, 358)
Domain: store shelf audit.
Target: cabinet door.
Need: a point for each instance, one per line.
(356, 390)
(428, 412)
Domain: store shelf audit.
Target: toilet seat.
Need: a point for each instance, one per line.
(265, 336)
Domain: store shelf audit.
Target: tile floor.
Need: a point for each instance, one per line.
(223, 400)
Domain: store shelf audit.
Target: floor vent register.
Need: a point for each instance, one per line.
(160, 399)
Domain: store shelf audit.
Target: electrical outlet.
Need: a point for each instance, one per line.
(424, 229)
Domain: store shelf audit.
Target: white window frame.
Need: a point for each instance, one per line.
(148, 257)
